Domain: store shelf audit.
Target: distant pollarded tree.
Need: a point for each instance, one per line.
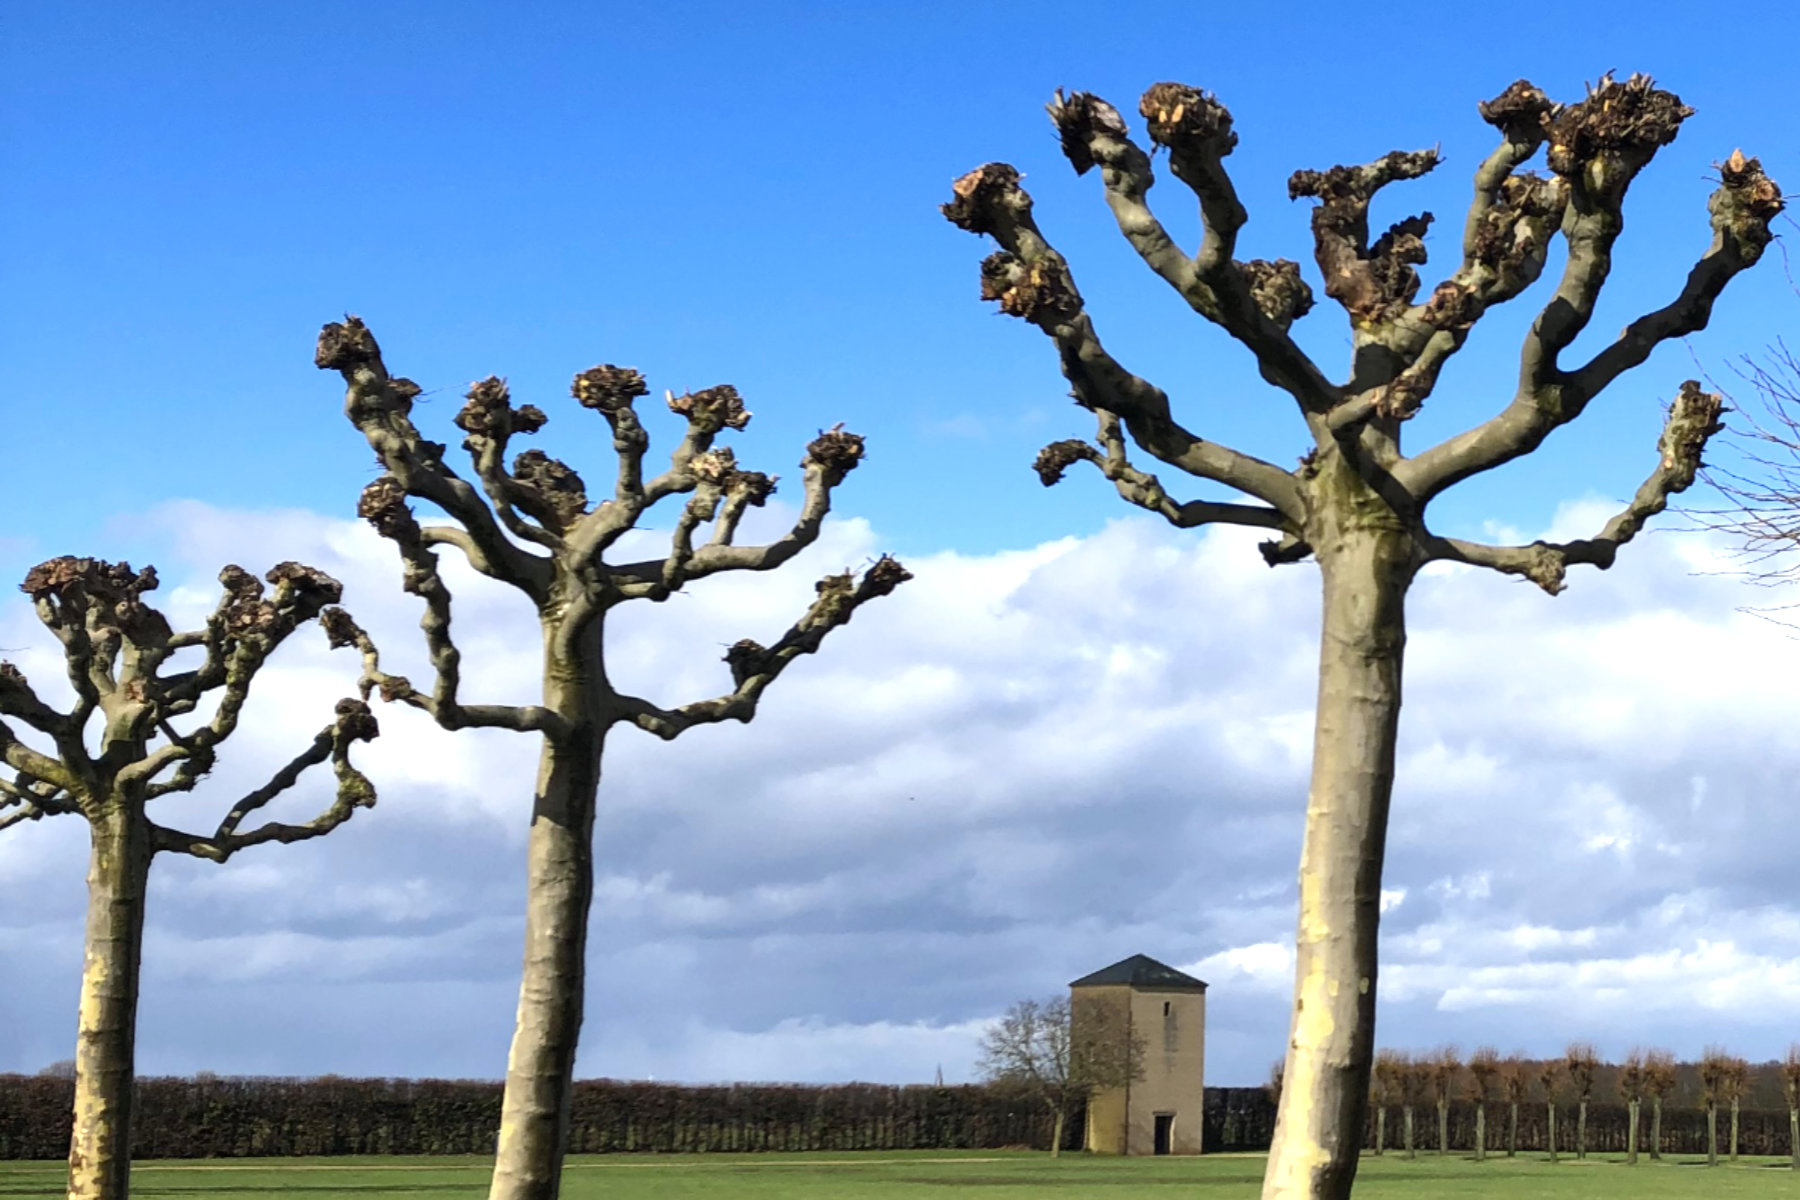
(534, 528)
(1356, 502)
(1736, 1084)
(1445, 1069)
(1484, 1067)
(1550, 1073)
(1659, 1081)
(1790, 1087)
(1631, 1090)
(1715, 1085)
(1415, 1082)
(1582, 1061)
(141, 730)
(1061, 1052)
(1390, 1066)
(1515, 1081)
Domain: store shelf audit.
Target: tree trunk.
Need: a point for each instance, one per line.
(1734, 1128)
(1056, 1134)
(1512, 1130)
(1581, 1130)
(540, 1070)
(1794, 1136)
(1631, 1133)
(1551, 1132)
(1443, 1146)
(1381, 1129)
(105, 1045)
(1320, 1120)
(1712, 1134)
(1480, 1132)
(1655, 1128)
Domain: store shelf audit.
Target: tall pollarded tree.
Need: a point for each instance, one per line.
(533, 527)
(1357, 502)
(139, 730)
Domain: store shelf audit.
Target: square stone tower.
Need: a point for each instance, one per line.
(1162, 1112)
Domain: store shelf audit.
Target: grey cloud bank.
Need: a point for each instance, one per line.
(1018, 768)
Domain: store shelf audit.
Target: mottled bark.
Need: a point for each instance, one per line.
(1480, 1131)
(1512, 1129)
(1712, 1134)
(1631, 1132)
(1655, 1128)
(1550, 1132)
(1381, 1130)
(1406, 1131)
(1366, 566)
(118, 875)
(1734, 1128)
(1794, 1136)
(559, 866)
(1581, 1129)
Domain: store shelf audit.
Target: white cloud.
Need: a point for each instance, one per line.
(1018, 768)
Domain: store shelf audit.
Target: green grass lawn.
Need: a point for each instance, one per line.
(888, 1176)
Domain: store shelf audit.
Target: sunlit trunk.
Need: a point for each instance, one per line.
(1320, 1120)
(1712, 1134)
(1481, 1133)
(1631, 1133)
(540, 1070)
(1655, 1127)
(1551, 1132)
(118, 872)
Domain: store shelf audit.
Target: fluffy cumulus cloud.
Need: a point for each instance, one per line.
(1015, 770)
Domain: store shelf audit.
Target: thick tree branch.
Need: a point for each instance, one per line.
(490, 420)
(379, 405)
(1142, 488)
(17, 699)
(1031, 280)
(1255, 302)
(829, 458)
(754, 668)
(246, 629)
(384, 506)
(1742, 207)
(1506, 237)
(1693, 418)
(354, 724)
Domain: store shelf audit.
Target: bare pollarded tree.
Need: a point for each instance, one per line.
(1582, 1060)
(1357, 502)
(1631, 1090)
(139, 730)
(1659, 1081)
(533, 527)
(1790, 1089)
(1484, 1068)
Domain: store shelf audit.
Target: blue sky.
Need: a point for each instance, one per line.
(748, 194)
